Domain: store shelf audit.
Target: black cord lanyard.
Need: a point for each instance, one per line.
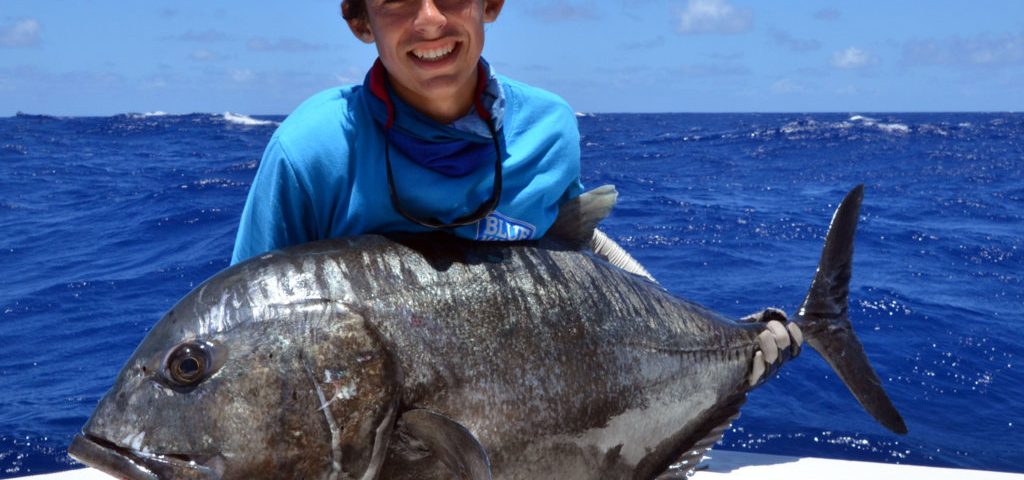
(480, 213)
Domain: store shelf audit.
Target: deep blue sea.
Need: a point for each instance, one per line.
(106, 222)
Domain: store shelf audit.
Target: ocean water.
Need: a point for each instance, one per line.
(106, 222)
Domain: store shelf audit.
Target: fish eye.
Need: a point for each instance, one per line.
(188, 364)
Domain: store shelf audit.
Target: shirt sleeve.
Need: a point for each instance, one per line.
(278, 211)
(574, 190)
(568, 158)
(575, 187)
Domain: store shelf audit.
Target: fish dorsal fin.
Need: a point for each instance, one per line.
(449, 442)
(678, 457)
(578, 217)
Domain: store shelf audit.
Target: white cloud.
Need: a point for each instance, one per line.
(350, 75)
(852, 58)
(286, 44)
(34, 77)
(982, 50)
(793, 43)
(204, 55)
(22, 33)
(714, 16)
(787, 86)
(827, 15)
(565, 10)
(346, 79)
(712, 70)
(645, 44)
(206, 36)
(155, 83)
(243, 75)
(851, 91)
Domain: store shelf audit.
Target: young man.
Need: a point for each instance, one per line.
(433, 139)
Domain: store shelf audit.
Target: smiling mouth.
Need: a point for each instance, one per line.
(435, 54)
(130, 464)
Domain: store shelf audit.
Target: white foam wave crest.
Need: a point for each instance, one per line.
(812, 126)
(158, 113)
(239, 119)
(861, 118)
(893, 127)
(885, 127)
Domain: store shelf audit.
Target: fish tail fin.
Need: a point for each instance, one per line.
(823, 317)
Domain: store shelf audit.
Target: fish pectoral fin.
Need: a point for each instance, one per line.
(578, 217)
(450, 442)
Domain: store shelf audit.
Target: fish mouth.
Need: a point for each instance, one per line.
(129, 464)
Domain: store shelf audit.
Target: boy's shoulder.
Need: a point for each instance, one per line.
(532, 97)
(532, 110)
(329, 109)
(322, 127)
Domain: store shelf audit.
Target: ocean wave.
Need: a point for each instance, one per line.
(14, 148)
(35, 116)
(801, 126)
(246, 120)
(204, 183)
(158, 113)
(893, 127)
(929, 128)
(885, 127)
(809, 126)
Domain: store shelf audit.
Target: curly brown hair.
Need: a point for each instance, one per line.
(353, 9)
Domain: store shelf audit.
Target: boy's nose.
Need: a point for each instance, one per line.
(429, 18)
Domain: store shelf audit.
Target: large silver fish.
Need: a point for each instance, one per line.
(425, 356)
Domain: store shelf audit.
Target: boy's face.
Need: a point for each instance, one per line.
(430, 47)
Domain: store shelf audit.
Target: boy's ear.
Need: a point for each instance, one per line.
(492, 8)
(361, 29)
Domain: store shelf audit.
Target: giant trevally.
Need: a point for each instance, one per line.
(426, 356)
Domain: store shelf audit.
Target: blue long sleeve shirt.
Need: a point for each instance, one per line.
(323, 175)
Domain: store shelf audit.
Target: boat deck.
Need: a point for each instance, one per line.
(749, 466)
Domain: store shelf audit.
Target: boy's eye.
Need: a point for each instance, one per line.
(412, 5)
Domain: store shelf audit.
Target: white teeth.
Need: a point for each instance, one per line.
(433, 54)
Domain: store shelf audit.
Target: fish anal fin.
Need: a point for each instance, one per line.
(448, 442)
(680, 455)
(578, 217)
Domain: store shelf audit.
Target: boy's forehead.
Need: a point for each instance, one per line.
(441, 4)
(365, 9)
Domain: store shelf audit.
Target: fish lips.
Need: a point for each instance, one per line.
(129, 464)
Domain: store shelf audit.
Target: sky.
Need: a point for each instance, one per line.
(104, 57)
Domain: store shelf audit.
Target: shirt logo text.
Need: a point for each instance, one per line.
(498, 227)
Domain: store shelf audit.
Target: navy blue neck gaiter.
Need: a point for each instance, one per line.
(439, 147)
